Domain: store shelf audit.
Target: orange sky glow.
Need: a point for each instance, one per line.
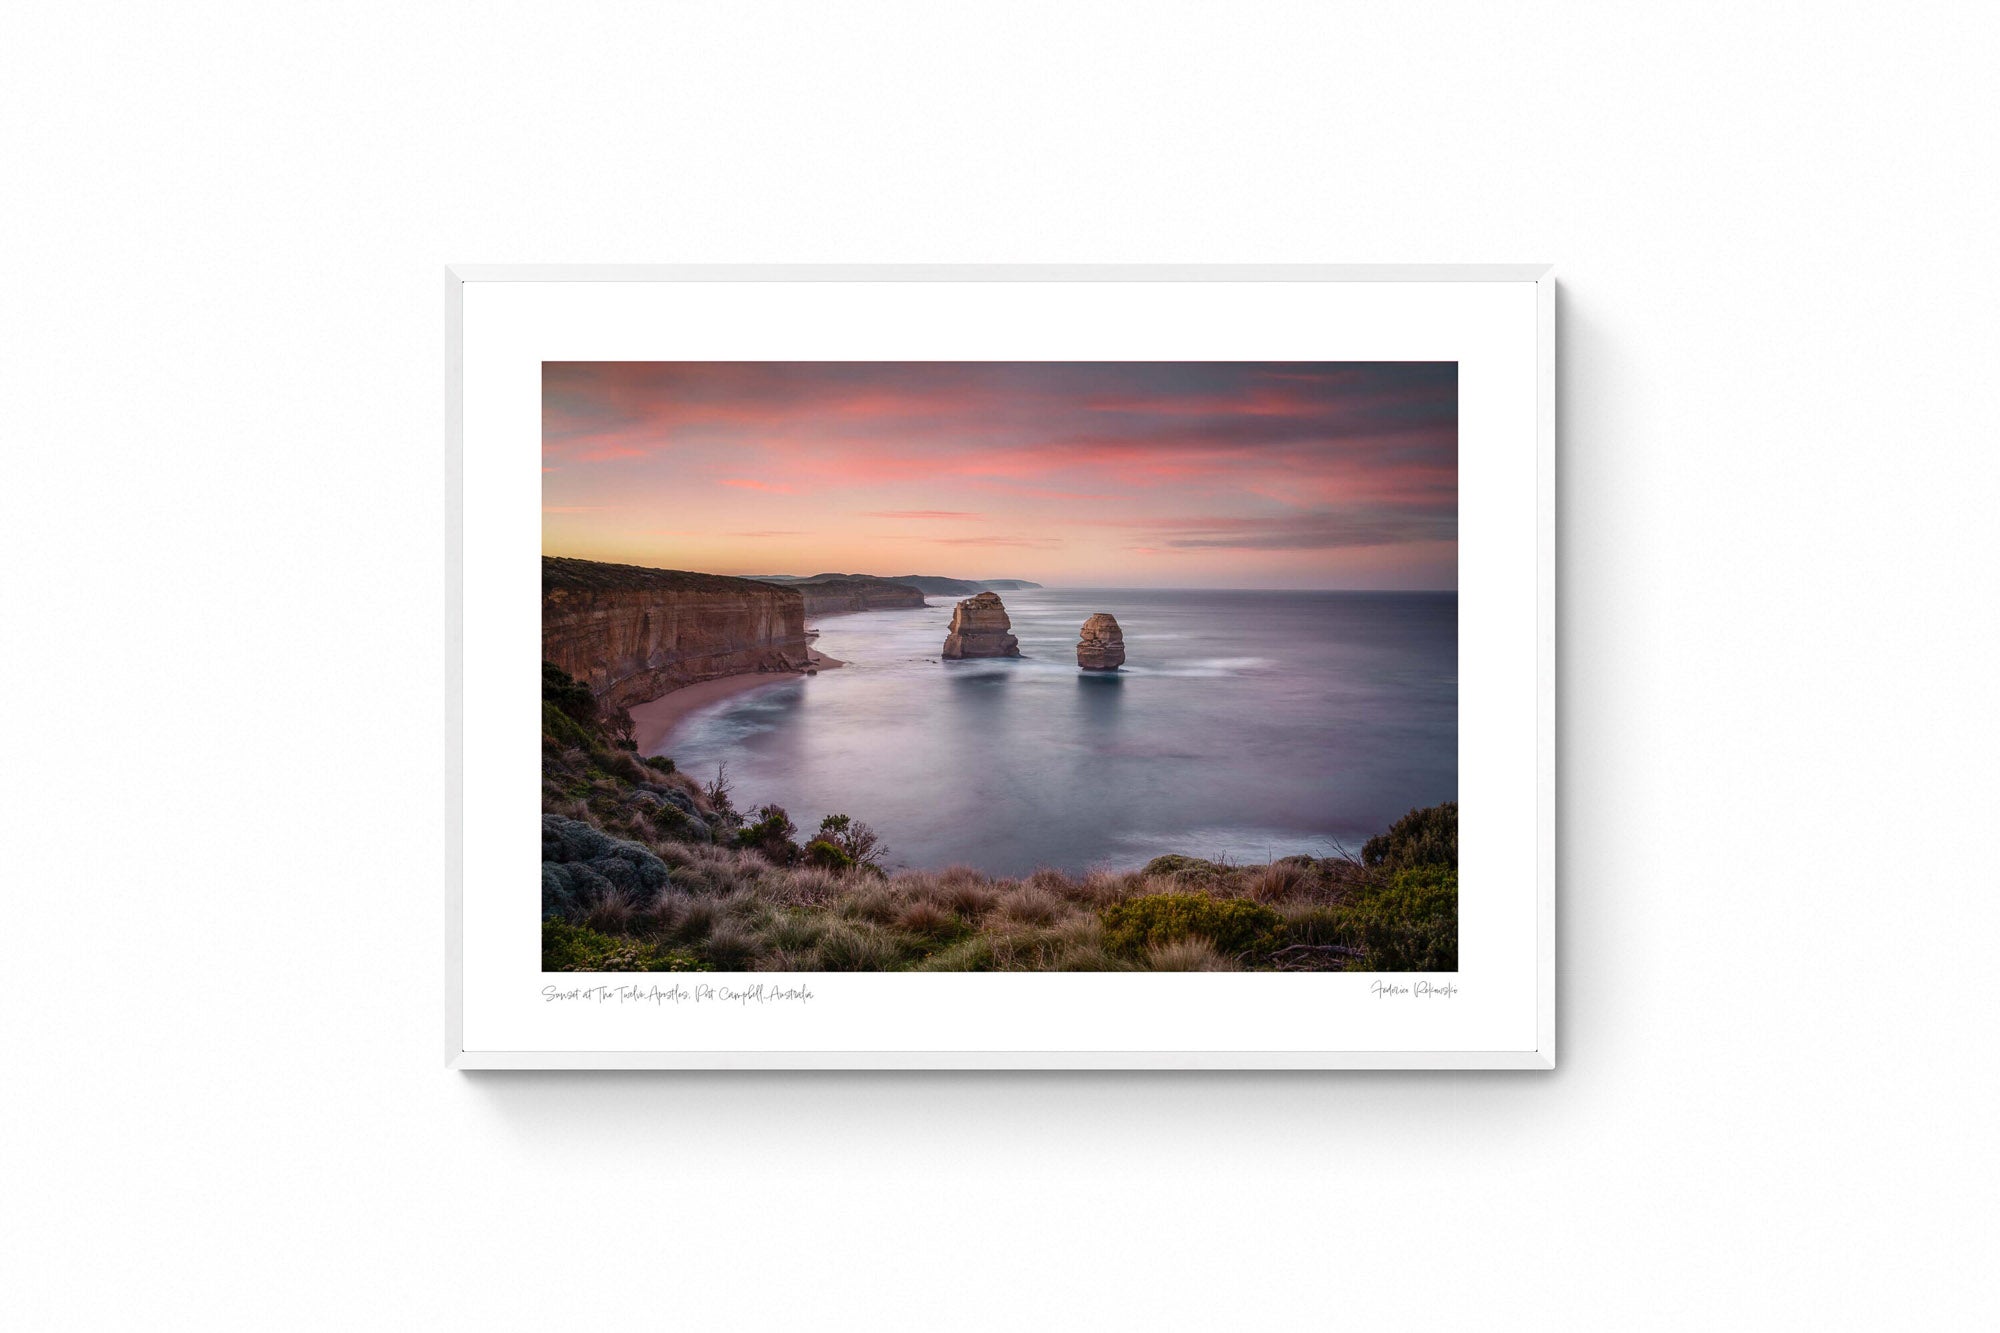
(1124, 474)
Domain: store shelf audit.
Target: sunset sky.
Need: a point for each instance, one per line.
(1129, 474)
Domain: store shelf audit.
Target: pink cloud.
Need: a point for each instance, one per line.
(1246, 468)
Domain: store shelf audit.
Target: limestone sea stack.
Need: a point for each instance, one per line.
(979, 628)
(1102, 647)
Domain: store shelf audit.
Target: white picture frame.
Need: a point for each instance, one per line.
(500, 319)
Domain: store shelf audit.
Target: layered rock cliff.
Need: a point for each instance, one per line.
(979, 628)
(632, 634)
(1101, 647)
(935, 585)
(856, 592)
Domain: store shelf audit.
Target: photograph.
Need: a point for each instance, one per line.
(961, 666)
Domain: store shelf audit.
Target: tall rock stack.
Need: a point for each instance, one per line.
(1102, 647)
(979, 628)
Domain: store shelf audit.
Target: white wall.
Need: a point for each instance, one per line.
(223, 383)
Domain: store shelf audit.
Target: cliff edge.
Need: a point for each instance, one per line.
(632, 634)
(832, 594)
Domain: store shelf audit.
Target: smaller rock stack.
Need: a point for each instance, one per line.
(979, 628)
(1102, 647)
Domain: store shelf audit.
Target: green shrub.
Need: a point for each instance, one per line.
(1406, 923)
(658, 762)
(567, 948)
(671, 821)
(1421, 838)
(1192, 867)
(861, 844)
(1411, 924)
(564, 730)
(569, 695)
(1232, 925)
(820, 852)
(770, 834)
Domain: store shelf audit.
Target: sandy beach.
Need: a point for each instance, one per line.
(653, 722)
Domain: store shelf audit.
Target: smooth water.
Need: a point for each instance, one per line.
(1245, 725)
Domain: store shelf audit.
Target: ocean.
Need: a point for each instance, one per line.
(1245, 726)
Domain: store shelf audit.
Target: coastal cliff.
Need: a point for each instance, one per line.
(856, 592)
(632, 634)
(933, 585)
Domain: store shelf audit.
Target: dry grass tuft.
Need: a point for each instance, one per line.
(876, 901)
(793, 932)
(969, 898)
(929, 919)
(1030, 906)
(612, 914)
(855, 946)
(1056, 882)
(808, 886)
(731, 947)
(694, 917)
(1105, 886)
(1078, 946)
(1279, 882)
(1021, 949)
(1193, 954)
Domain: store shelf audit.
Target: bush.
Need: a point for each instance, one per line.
(567, 948)
(861, 844)
(716, 794)
(1420, 838)
(1190, 867)
(1232, 925)
(560, 727)
(819, 852)
(1411, 925)
(771, 834)
(568, 695)
(583, 867)
(659, 763)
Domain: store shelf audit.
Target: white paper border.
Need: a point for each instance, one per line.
(1496, 322)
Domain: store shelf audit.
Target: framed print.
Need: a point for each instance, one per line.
(1002, 667)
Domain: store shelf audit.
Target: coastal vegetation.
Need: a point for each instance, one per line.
(646, 868)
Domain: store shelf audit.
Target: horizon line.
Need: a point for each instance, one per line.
(1044, 587)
